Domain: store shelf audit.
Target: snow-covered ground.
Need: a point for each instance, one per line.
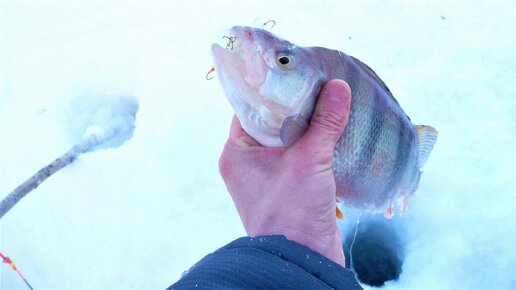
(137, 216)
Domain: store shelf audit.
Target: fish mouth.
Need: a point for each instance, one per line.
(245, 52)
(242, 70)
(234, 49)
(236, 65)
(235, 44)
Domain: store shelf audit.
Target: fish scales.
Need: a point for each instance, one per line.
(372, 151)
(273, 86)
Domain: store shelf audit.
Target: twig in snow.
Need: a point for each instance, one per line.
(21, 191)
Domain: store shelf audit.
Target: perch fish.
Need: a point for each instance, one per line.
(273, 86)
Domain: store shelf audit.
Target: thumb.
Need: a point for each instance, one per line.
(329, 119)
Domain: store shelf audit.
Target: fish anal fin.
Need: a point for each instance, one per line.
(405, 201)
(389, 212)
(339, 213)
(427, 136)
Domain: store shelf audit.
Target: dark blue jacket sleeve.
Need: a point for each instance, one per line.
(266, 262)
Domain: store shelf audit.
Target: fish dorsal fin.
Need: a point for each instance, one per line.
(427, 136)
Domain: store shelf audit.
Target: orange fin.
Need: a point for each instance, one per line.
(404, 205)
(389, 212)
(340, 215)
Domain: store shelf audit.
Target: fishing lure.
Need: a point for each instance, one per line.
(8, 261)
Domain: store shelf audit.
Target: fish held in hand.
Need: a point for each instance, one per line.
(273, 86)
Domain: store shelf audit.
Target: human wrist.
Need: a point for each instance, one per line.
(329, 246)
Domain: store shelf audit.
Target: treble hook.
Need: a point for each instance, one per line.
(270, 21)
(231, 40)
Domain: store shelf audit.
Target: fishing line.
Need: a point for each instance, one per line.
(352, 265)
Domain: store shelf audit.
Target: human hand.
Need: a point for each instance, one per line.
(291, 191)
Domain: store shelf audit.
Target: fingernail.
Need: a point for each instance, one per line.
(336, 91)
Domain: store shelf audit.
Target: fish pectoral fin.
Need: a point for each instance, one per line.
(339, 213)
(292, 129)
(427, 136)
(389, 212)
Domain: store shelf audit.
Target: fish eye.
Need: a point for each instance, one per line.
(284, 60)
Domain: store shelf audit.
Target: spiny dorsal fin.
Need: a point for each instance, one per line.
(427, 137)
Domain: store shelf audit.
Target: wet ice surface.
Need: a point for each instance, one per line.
(148, 210)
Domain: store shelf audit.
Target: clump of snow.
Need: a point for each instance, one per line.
(111, 118)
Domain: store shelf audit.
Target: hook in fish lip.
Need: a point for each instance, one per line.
(231, 41)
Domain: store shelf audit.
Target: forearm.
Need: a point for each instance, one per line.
(271, 218)
(267, 262)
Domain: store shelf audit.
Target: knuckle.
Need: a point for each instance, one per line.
(329, 120)
(225, 166)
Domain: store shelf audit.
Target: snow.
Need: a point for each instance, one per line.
(110, 118)
(136, 216)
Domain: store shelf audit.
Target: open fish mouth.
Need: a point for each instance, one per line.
(244, 51)
(242, 69)
(234, 46)
(241, 65)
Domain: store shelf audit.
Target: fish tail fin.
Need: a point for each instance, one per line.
(427, 136)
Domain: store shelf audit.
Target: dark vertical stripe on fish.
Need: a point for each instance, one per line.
(366, 120)
(402, 158)
(373, 135)
(357, 118)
